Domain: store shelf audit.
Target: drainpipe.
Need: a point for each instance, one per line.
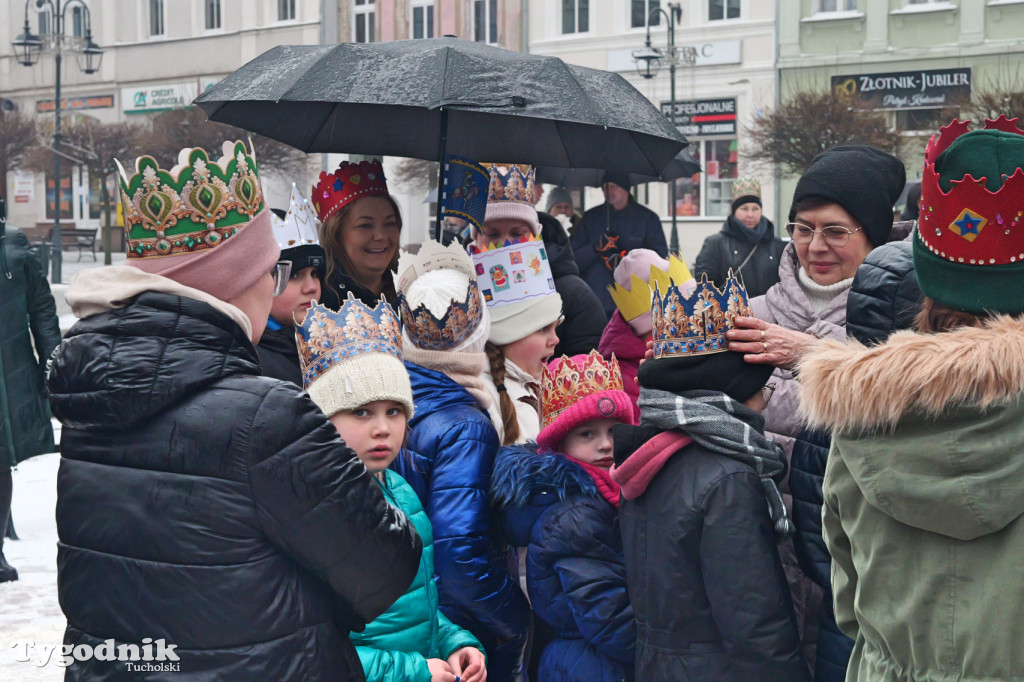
(525, 5)
(778, 102)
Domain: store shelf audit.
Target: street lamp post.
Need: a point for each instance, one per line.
(648, 61)
(27, 48)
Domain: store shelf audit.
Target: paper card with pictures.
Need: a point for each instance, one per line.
(513, 272)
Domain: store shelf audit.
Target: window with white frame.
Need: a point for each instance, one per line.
(212, 14)
(422, 19)
(640, 11)
(836, 5)
(709, 193)
(285, 10)
(364, 24)
(44, 22)
(77, 21)
(156, 17)
(575, 16)
(723, 9)
(485, 21)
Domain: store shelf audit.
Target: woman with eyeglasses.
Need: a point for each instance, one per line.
(841, 210)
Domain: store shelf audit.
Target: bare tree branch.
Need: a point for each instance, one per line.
(18, 134)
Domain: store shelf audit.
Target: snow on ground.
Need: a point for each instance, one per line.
(28, 607)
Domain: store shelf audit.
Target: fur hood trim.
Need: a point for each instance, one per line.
(849, 387)
(521, 471)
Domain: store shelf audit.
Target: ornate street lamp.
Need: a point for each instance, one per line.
(27, 48)
(648, 62)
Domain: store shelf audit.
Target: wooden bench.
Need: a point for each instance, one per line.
(73, 237)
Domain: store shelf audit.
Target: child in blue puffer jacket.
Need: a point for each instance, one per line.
(352, 369)
(560, 503)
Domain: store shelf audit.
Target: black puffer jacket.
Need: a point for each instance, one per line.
(729, 248)
(704, 577)
(279, 355)
(200, 503)
(885, 295)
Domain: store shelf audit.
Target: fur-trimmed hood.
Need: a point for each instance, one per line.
(848, 387)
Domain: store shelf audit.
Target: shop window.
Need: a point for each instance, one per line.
(640, 11)
(485, 21)
(156, 17)
(285, 10)
(96, 197)
(707, 194)
(423, 19)
(575, 16)
(924, 120)
(212, 14)
(65, 195)
(837, 5)
(723, 9)
(364, 26)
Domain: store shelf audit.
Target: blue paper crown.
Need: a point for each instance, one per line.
(696, 325)
(327, 338)
(465, 190)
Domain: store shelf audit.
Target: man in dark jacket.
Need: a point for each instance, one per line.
(747, 244)
(29, 332)
(609, 231)
(200, 505)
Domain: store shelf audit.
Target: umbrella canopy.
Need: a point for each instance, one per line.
(683, 166)
(426, 98)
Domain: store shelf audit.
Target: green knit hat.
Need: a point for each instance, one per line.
(969, 245)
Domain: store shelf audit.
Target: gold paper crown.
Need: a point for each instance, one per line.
(195, 206)
(696, 324)
(746, 187)
(569, 383)
(635, 301)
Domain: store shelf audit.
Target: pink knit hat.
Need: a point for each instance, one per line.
(577, 390)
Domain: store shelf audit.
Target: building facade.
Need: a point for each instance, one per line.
(732, 80)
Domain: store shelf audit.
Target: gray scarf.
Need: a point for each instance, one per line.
(720, 424)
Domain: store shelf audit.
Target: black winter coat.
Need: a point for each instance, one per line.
(339, 284)
(279, 355)
(203, 504)
(585, 319)
(29, 332)
(885, 295)
(704, 577)
(729, 248)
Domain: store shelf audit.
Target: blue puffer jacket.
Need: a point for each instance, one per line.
(576, 573)
(454, 444)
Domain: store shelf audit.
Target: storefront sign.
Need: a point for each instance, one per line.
(703, 116)
(159, 97)
(907, 89)
(24, 187)
(708, 54)
(76, 103)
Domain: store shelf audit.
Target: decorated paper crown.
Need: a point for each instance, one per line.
(510, 182)
(195, 206)
(465, 190)
(746, 187)
(513, 272)
(299, 225)
(461, 318)
(635, 301)
(969, 224)
(696, 324)
(569, 383)
(327, 338)
(350, 182)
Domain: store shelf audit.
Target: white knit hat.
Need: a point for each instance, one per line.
(516, 321)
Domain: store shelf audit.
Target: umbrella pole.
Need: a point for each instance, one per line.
(440, 175)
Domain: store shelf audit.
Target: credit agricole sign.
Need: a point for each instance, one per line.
(907, 89)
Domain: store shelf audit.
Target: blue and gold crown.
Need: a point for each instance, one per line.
(456, 325)
(327, 338)
(696, 325)
(510, 182)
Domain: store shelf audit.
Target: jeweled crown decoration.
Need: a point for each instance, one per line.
(298, 227)
(350, 182)
(696, 324)
(196, 205)
(513, 271)
(635, 301)
(465, 190)
(510, 182)
(746, 187)
(970, 224)
(570, 383)
(461, 318)
(327, 338)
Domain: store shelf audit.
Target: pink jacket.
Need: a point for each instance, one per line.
(629, 350)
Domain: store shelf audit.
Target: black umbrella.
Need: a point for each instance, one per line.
(683, 166)
(426, 98)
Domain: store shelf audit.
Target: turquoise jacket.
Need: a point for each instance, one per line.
(395, 647)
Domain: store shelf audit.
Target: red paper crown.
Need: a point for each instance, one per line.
(969, 224)
(566, 382)
(350, 182)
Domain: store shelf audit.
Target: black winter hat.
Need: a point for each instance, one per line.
(725, 372)
(618, 177)
(864, 180)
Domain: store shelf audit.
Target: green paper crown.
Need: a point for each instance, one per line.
(195, 206)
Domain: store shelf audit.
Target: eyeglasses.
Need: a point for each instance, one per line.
(281, 272)
(767, 391)
(834, 235)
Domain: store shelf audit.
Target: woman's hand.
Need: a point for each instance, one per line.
(763, 342)
(469, 664)
(440, 671)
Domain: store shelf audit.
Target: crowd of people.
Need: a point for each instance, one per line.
(543, 449)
